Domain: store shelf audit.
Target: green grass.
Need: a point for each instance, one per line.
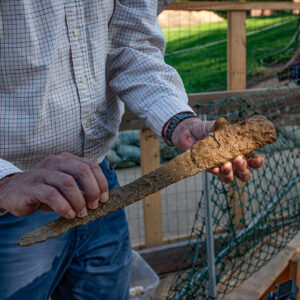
(205, 69)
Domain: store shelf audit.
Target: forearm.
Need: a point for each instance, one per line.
(136, 68)
(297, 55)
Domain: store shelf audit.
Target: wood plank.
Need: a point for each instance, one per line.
(262, 94)
(232, 6)
(236, 80)
(290, 272)
(283, 277)
(256, 96)
(168, 258)
(150, 160)
(261, 282)
(236, 50)
(184, 237)
(296, 11)
(236, 198)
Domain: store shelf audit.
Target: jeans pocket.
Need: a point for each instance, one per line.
(109, 174)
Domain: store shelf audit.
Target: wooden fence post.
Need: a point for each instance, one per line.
(236, 50)
(150, 160)
(236, 80)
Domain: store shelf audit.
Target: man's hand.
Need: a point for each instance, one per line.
(52, 186)
(189, 131)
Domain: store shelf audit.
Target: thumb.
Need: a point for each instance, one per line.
(201, 129)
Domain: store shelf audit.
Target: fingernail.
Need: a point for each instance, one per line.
(226, 169)
(94, 205)
(239, 161)
(210, 126)
(71, 214)
(83, 213)
(104, 197)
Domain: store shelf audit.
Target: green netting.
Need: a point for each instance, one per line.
(251, 222)
(198, 51)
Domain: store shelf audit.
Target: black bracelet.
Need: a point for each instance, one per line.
(175, 120)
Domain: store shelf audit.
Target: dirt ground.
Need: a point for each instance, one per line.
(180, 18)
(163, 288)
(266, 80)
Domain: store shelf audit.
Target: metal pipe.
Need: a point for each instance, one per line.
(210, 250)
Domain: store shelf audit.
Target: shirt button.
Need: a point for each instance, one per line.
(76, 32)
(83, 79)
(88, 123)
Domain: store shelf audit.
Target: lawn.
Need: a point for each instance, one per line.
(205, 69)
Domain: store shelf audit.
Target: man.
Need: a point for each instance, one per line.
(65, 67)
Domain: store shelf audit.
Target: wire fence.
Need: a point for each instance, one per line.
(254, 221)
(251, 222)
(179, 203)
(197, 47)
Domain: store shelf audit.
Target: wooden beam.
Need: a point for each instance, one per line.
(232, 6)
(236, 199)
(150, 160)
(236, 50)
(296, 12)
(236, 80)
(131, 122)
(262, 94)
(277, 270)
(168, 258)
(184, 238)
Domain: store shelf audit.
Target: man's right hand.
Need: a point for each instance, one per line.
(52, 186)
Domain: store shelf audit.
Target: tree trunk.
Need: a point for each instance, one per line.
(162, 4)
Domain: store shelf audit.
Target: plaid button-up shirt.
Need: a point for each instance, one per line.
(67, 67)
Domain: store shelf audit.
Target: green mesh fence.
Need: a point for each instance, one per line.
(254, 221)
(199, 51)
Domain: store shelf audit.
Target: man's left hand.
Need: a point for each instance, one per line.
(190, 130)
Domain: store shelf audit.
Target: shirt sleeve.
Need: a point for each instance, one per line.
(135, 65)
(7, 168)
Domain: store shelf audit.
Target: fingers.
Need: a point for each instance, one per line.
(189, 131)
(50, 196)
(215, 171)
(201, 129)
(89, 176)
(52, 185)
(100, 178)
(255, 161)
(226, 173)
(66, 185)
(238, 168)
(220, 122)
(82, 173)
(241, 169)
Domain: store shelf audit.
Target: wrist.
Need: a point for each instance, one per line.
(3, 183)
(172, 124)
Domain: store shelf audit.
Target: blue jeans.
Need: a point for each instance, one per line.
(87, 262)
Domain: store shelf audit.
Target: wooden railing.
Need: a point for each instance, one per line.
(236, 85)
